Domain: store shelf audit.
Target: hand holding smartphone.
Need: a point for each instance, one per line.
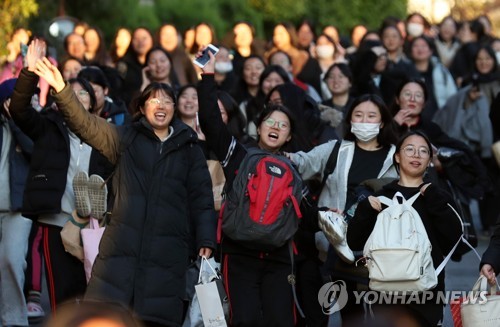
(202, 60)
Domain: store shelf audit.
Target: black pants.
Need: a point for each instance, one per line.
(64, 273)
(259, 292)
(309, 282)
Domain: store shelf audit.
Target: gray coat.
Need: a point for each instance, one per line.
(312, 165)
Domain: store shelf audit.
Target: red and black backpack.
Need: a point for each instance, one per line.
(261, 210)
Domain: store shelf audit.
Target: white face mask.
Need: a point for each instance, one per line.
(497, 54)
(223, 67)
(325, 51)
(365, 131)
(415, 29)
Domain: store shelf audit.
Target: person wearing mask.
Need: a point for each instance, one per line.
(416, 25)
(165, 202)
(365, 153)
(224, 73)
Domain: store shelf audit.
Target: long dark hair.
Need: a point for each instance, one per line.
(305, 110)
(236, 122)
(172, 76)
(256, 104)
(387, 134)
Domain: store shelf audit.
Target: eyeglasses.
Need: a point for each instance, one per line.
(157, 102)
(417, 96)
(82, 94)
(282, 125)
(411, 151)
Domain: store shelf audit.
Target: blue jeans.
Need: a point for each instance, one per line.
(14, 234)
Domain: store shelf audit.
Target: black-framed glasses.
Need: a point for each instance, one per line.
(411, 151)
(283, 125)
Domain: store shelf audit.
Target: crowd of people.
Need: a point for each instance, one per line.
(141, 116)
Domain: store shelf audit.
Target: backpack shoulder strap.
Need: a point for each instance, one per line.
(462, 238)
(331, 163)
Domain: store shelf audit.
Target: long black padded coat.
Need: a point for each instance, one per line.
(162, 215)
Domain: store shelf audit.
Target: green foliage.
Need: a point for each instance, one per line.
(346, 14)
(14, 14)
(222, 14)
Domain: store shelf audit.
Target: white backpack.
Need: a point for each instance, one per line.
(398, 251)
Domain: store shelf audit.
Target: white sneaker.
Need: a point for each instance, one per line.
(333, 225)
(98, 195)
(81, 191)
(344, 251)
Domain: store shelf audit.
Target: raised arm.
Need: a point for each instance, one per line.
(25, 116)
(228, 151)
(90, 128)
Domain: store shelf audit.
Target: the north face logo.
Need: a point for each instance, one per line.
(273, 169)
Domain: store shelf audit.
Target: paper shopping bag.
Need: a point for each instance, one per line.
(210, 305)
(91, 237)
(481, 311)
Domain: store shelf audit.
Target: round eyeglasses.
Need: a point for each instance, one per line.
(157, 102)
(282, 125)
(411, 151)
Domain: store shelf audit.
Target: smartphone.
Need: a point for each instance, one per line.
(205, 58)
(24, 49)
(475, 81)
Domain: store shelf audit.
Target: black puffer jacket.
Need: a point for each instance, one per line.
(47, 176)
(162, 212)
